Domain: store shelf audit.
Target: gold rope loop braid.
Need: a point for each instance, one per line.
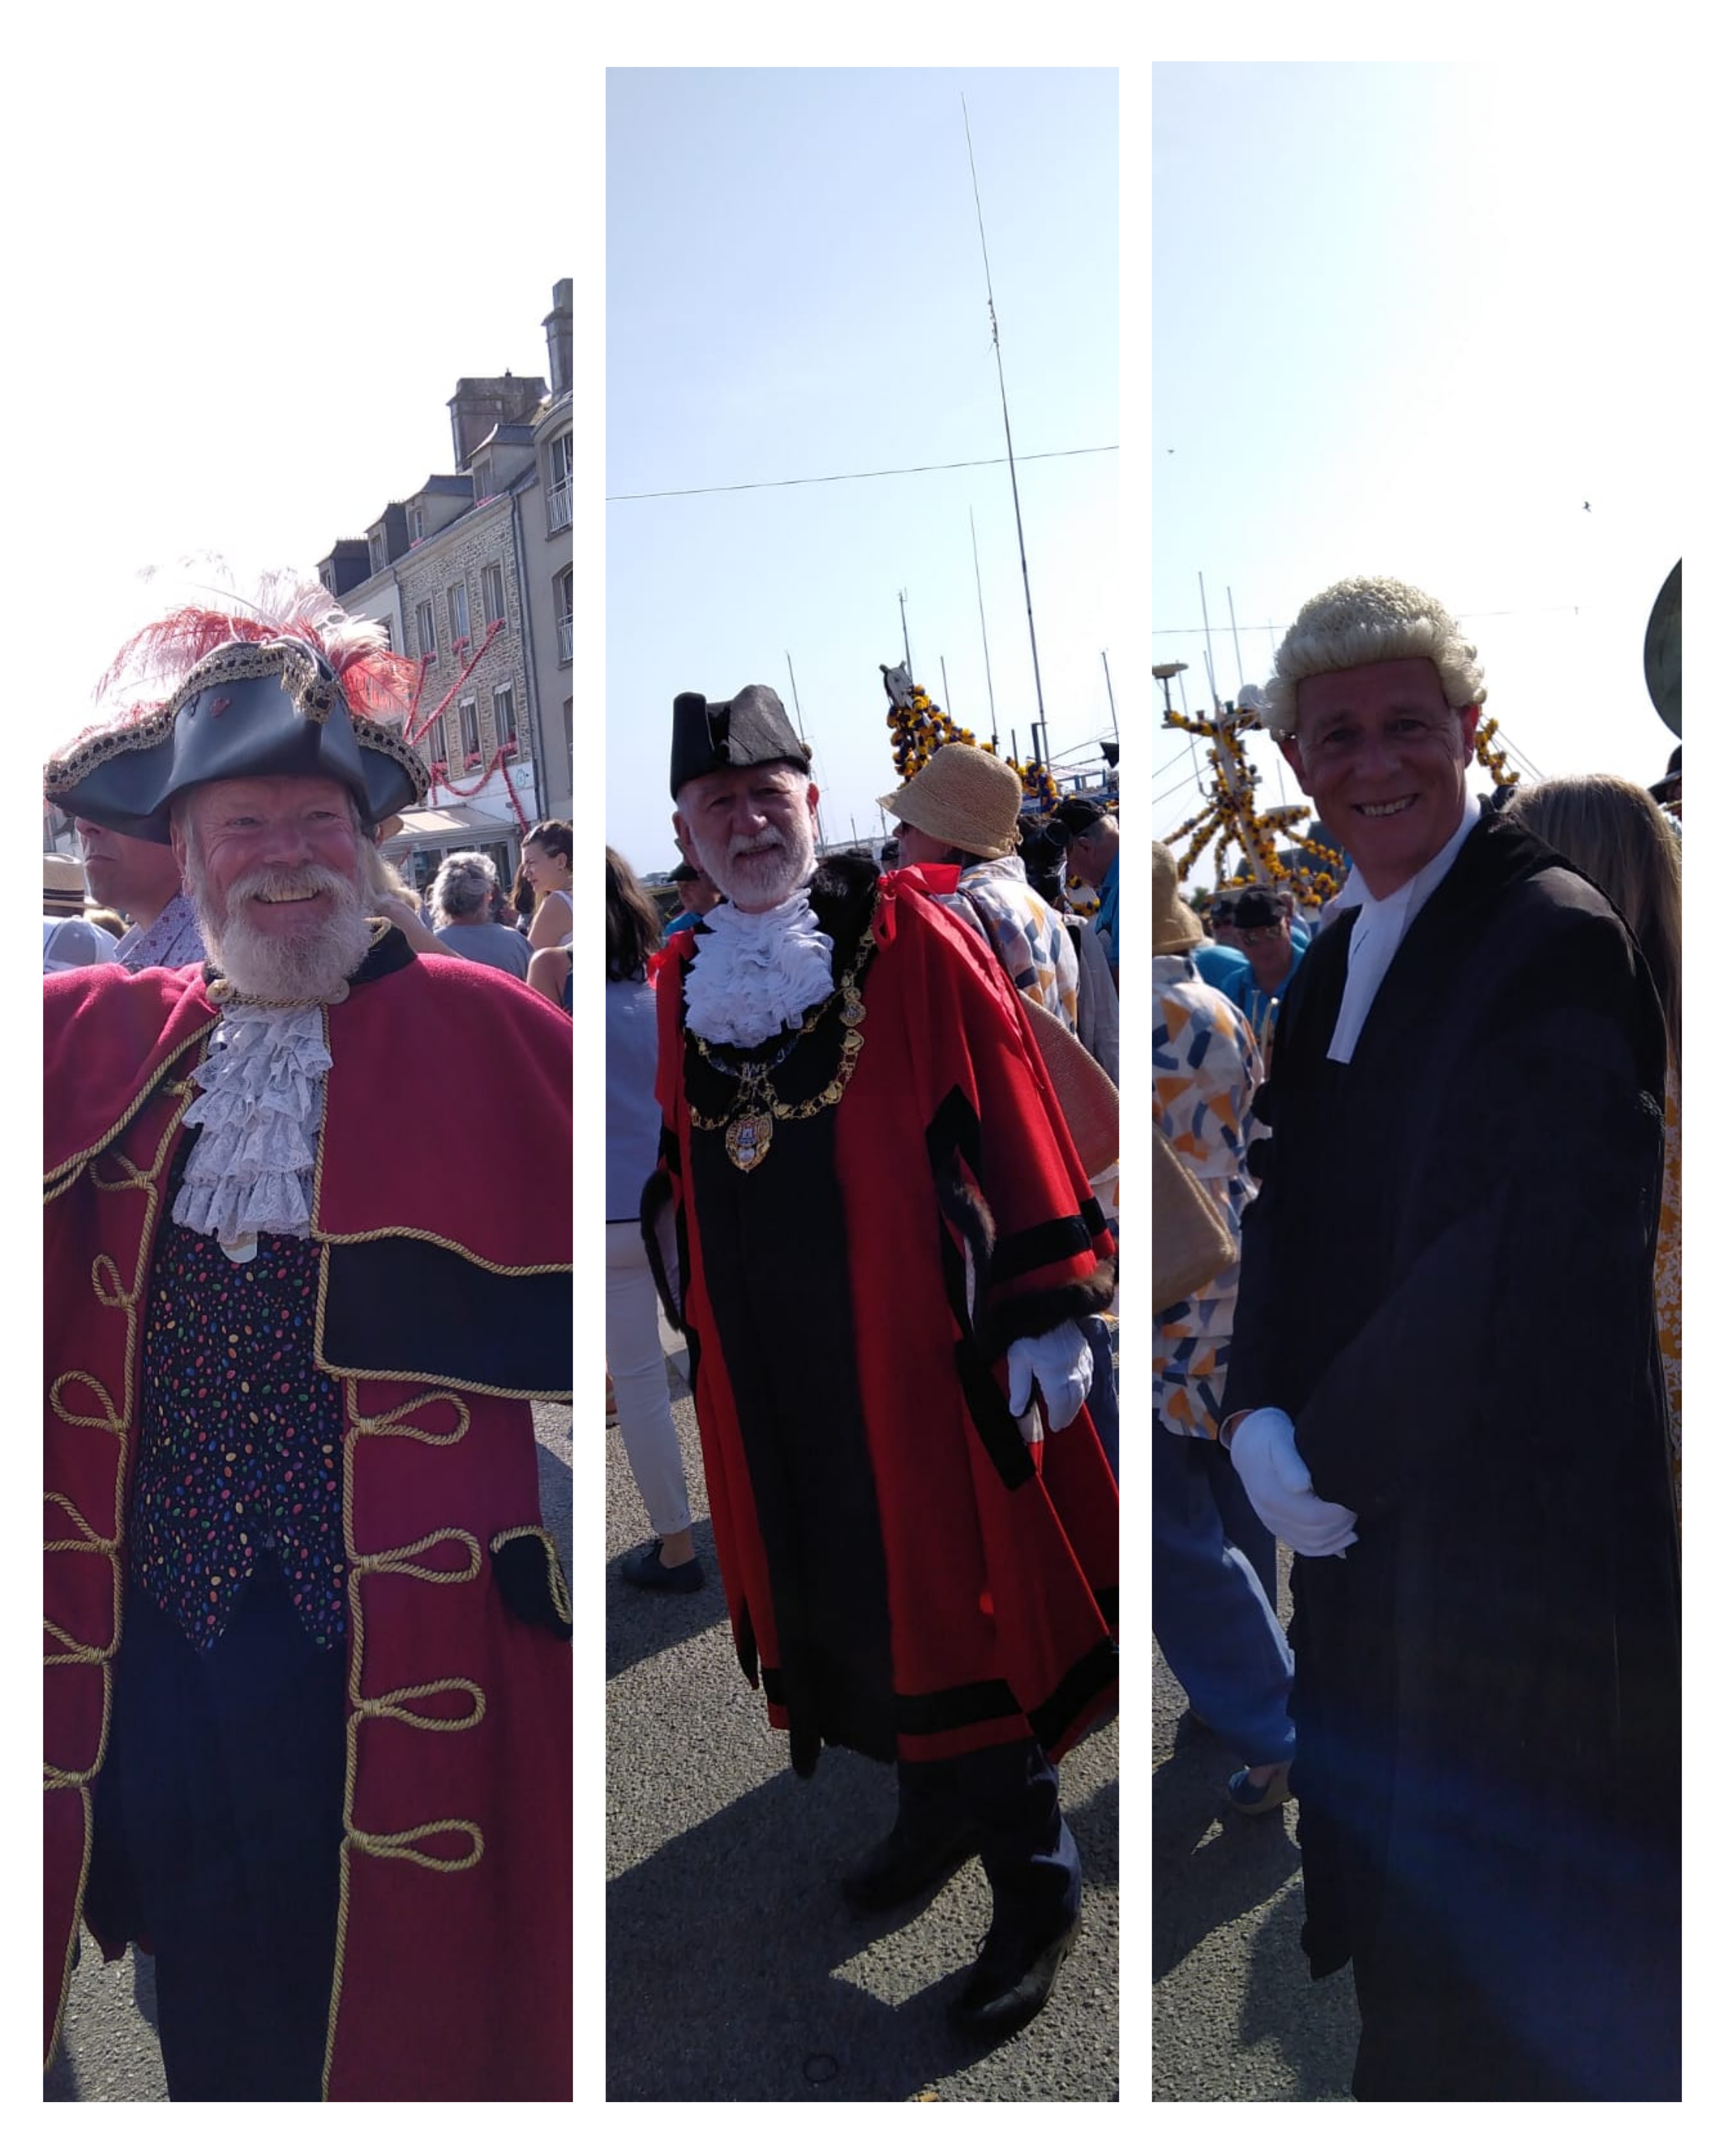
(389, 1707)
(401, 1844)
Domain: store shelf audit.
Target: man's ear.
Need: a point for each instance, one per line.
(1291, 756)
(176, 840)
(1469, 716)
(679, 824)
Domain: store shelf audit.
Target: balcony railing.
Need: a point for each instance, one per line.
(565, 639)
(557, 507)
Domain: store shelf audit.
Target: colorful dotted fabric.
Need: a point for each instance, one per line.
(240, 1442)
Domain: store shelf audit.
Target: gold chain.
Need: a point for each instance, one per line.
(747, 1123)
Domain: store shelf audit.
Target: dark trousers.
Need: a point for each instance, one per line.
(1009, 1796)
(217, 1834)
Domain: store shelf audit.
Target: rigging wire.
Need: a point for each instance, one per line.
(891, 471)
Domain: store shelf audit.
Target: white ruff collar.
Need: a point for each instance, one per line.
(755, 973)
(249, 1171)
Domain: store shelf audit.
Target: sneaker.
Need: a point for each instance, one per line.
(643, 1569)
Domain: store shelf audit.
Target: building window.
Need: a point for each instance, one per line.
(562, 482)
(491, 582)
(416, 523)
(564, 587)
(388, 630)
(503, 720)
(460, 631)
(482, 486)
(469, 735)
(439, 744)
(427, 632)
(378, 548)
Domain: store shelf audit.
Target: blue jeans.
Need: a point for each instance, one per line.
(1212, 1597)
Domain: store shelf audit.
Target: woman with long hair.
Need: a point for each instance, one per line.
(547, 853)
(1620, 839)
(634, 1355)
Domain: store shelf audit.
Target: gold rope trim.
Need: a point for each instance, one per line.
(108, 1286)
(560, 1598)
(408, 1419)
(56, 1180)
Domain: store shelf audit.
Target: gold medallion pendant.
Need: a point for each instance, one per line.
(747, 1140)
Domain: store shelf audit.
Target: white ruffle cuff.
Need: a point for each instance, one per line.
(249, 1172)
(755, 973)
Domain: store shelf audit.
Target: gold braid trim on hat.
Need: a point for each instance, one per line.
(63, 772)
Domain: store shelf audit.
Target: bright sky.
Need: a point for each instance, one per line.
(1414, 318)
(795, 288)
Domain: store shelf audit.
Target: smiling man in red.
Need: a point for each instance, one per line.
(1454, 1417)
(307, 1715)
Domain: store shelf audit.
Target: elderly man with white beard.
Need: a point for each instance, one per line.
(307, 1715)
(884, 1241)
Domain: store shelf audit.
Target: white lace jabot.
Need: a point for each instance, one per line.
(754, 973)
(249, 1171)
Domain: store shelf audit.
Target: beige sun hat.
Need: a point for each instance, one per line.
(62, 884)
(965, 798)
(1174, 926)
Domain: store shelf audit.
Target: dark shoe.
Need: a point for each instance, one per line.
(901, 1867)
(1246, 1797)
(643, 1569)
(1011, 1981)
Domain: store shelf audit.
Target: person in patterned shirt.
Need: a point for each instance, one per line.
(1213, 1573)
(141, 878)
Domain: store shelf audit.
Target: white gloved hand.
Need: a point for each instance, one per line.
(1059, 1363)
(1279, 1484)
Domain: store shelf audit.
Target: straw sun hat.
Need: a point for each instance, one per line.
(965, 798)
(1174, 926)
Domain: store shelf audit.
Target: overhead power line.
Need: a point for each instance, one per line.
(833, 479)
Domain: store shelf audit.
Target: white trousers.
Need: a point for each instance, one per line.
(634, 1356)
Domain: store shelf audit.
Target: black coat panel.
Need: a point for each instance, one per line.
(1447, 1282)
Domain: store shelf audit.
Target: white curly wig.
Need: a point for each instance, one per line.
(1359, 621)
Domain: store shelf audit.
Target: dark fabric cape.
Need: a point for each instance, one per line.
(442, 1221)
(1447, 1284)
(905, 1577)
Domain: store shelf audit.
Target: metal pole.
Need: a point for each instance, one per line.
(1005, 417)
(1109, 679)
(1238, 662)
(987, 671)
(905, 626)
(945, 693)
(796, 700)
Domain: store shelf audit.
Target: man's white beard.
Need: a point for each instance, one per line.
(305, 966)
(767, 876)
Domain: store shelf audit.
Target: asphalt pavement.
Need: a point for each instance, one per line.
(108, 2050)
(1236, 2017)
(734, 1970)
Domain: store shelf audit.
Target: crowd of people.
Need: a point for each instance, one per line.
(1433, 1345)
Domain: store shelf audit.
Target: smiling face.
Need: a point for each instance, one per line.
(752, 831)
(1384, 759)
(272, 866)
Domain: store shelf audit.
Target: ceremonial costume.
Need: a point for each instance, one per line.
(1447, 1283)
(452, 1980)
(905, 1576)
(307, 1718)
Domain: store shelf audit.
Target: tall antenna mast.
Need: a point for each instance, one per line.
(987, 671)
(906, 627)
(1006, 420)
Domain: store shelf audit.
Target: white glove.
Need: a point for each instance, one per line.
(1279, 1484)
(1059, 1363)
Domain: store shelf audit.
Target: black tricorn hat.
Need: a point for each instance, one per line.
(247, 710)
(751, 728)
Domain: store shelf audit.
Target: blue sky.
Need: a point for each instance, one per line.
(1412, 318)
(795, 288)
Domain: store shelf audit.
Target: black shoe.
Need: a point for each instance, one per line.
(901, 1867)
(645, 1568)
(1011, 1981)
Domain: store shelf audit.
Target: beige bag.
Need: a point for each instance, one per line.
(1190, 1240)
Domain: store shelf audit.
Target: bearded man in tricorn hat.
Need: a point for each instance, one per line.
(1444, 1395)
(308, 1704)
(887, 1241)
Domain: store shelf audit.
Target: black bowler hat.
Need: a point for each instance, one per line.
(751, 728)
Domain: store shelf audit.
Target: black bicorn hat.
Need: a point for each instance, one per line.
(268, 710)
(751, 728)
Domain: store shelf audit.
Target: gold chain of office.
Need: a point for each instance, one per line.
(747, 1123)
